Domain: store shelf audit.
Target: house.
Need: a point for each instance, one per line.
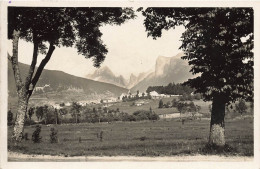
(56, 106)
(82, 103)
(154, 94)
(122, 95)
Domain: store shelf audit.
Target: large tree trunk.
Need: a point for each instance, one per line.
(25, 89)
(19, 122)
(217, 125)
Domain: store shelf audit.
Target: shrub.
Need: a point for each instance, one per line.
(154, 117)
(54, 136)
(25, 136)
(101, 136)
(160, 104)
(9, 118)
(36, 135)
(241, 107)
(28, 122)
(145, 115)
(174, 103)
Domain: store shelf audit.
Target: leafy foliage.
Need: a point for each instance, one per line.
(36, 138)
(171, 88)
(218, 43)
(54, 136)
(30, 112)
(160, 104)
(67, 27)
(9, 117)
(241, 107)
(75, 110)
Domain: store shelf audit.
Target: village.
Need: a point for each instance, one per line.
(107, 101)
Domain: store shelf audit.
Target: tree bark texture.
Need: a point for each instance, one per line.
(217, 124)
(22, 109)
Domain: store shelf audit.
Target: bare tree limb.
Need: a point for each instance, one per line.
(41, 67)
(32, 67)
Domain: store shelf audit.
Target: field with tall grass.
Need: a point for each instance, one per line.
(145, 138)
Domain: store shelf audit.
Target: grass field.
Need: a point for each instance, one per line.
(146, 138)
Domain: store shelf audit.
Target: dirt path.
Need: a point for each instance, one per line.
(13, 156)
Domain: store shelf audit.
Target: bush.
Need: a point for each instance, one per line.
(174, 103)
(25, 136)
(36, 135)
(9, 118)
(241, 107)
(145, 115)
(54, 136)
(28, 122)
(101, 136)
(160, 104)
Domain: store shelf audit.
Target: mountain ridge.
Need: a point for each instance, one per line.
(167, 70)
(58, 79)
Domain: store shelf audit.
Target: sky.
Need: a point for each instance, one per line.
(129, 50)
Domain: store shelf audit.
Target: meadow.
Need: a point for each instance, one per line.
(145, 138)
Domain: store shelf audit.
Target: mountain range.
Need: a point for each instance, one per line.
(104, 83)
(166, 70)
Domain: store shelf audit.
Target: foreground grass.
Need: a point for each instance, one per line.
(147, 138)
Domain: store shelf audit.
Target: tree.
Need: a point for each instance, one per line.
(160, 104)
(218, 44)
(30, 112)
(75, 110)
(137, 94)
(241, 107)
(39, 112)
(9, 117)
(45, 113)
(56, 116)
(55, 27)
(62, 113)
(174, 103)
(182, 107)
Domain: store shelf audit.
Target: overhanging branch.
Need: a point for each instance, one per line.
(32, 67)
(41, 67)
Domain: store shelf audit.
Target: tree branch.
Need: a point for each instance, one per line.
(32, 67)
(14, 60)
(41, 67)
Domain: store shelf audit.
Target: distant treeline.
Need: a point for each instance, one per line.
(171, 88)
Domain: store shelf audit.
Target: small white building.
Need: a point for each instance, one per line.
(82, 103)
(56, 106)
(154, 94)
(122, 95)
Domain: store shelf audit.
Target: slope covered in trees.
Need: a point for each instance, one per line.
(171, 88)
(59, 81)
